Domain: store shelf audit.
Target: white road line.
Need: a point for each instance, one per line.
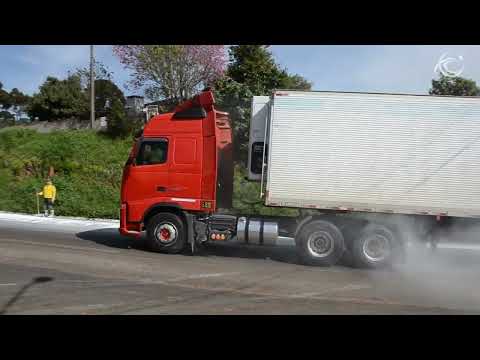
(8, 284)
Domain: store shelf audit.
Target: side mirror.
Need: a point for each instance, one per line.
(131, 161)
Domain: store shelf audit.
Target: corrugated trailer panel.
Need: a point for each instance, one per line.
(375, 152)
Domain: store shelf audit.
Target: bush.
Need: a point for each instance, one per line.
(118, 124)
(6, 119)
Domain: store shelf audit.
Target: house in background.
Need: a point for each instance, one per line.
(19, 113)
(154, 108)
(134, 105)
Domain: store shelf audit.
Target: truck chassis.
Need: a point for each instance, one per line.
(321, 239)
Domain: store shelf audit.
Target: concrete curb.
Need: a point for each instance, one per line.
(61, 217)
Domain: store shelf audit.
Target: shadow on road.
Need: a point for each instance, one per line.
(280, 254)
(111, 237)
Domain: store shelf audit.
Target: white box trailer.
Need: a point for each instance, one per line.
(368, 152)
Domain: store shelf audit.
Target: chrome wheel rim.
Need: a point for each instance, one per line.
(376, 248)
(166, 233)
(320, 244)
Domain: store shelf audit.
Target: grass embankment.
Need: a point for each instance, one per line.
(88, 170)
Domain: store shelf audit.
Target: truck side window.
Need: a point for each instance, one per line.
(257, 157)
(153, 152)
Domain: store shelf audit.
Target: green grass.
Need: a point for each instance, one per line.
(88, 170)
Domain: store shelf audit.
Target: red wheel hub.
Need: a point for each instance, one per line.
(165, 234)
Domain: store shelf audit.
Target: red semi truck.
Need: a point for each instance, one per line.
(368, 195)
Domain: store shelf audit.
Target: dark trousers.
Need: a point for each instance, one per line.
(47, 204)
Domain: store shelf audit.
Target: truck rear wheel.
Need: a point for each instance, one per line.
(375, 248)
(320, 243)
(166, 233)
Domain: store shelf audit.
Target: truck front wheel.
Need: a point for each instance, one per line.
(166, 233)
(320, 243)
(375, 247)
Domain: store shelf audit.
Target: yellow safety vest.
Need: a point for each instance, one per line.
(49, 192)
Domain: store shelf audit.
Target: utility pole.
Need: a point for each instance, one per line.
(92, 88)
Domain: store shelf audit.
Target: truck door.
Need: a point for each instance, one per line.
(148, 178)
(185, 167)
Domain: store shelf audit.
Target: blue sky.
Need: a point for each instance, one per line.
(404, 69)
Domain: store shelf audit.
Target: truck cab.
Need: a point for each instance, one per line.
(181, 162)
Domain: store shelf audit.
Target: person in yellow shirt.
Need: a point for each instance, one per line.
(49, 193)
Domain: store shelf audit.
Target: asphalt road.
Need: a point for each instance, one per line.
(86, 267)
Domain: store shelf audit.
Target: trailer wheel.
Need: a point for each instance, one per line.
(375, 248)
(166, 233)
(320, 243)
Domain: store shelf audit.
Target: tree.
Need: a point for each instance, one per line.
(252, 71)
(254, 66)
(101, 71)
(105, 89)
(105, 92)
(60, 99)
(118, 124)
(172, 72)
(4, 98)
(235, 98)
(294, 82)
(17, 98)
(456, 86)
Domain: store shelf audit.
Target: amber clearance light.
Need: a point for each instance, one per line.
(206, 204)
